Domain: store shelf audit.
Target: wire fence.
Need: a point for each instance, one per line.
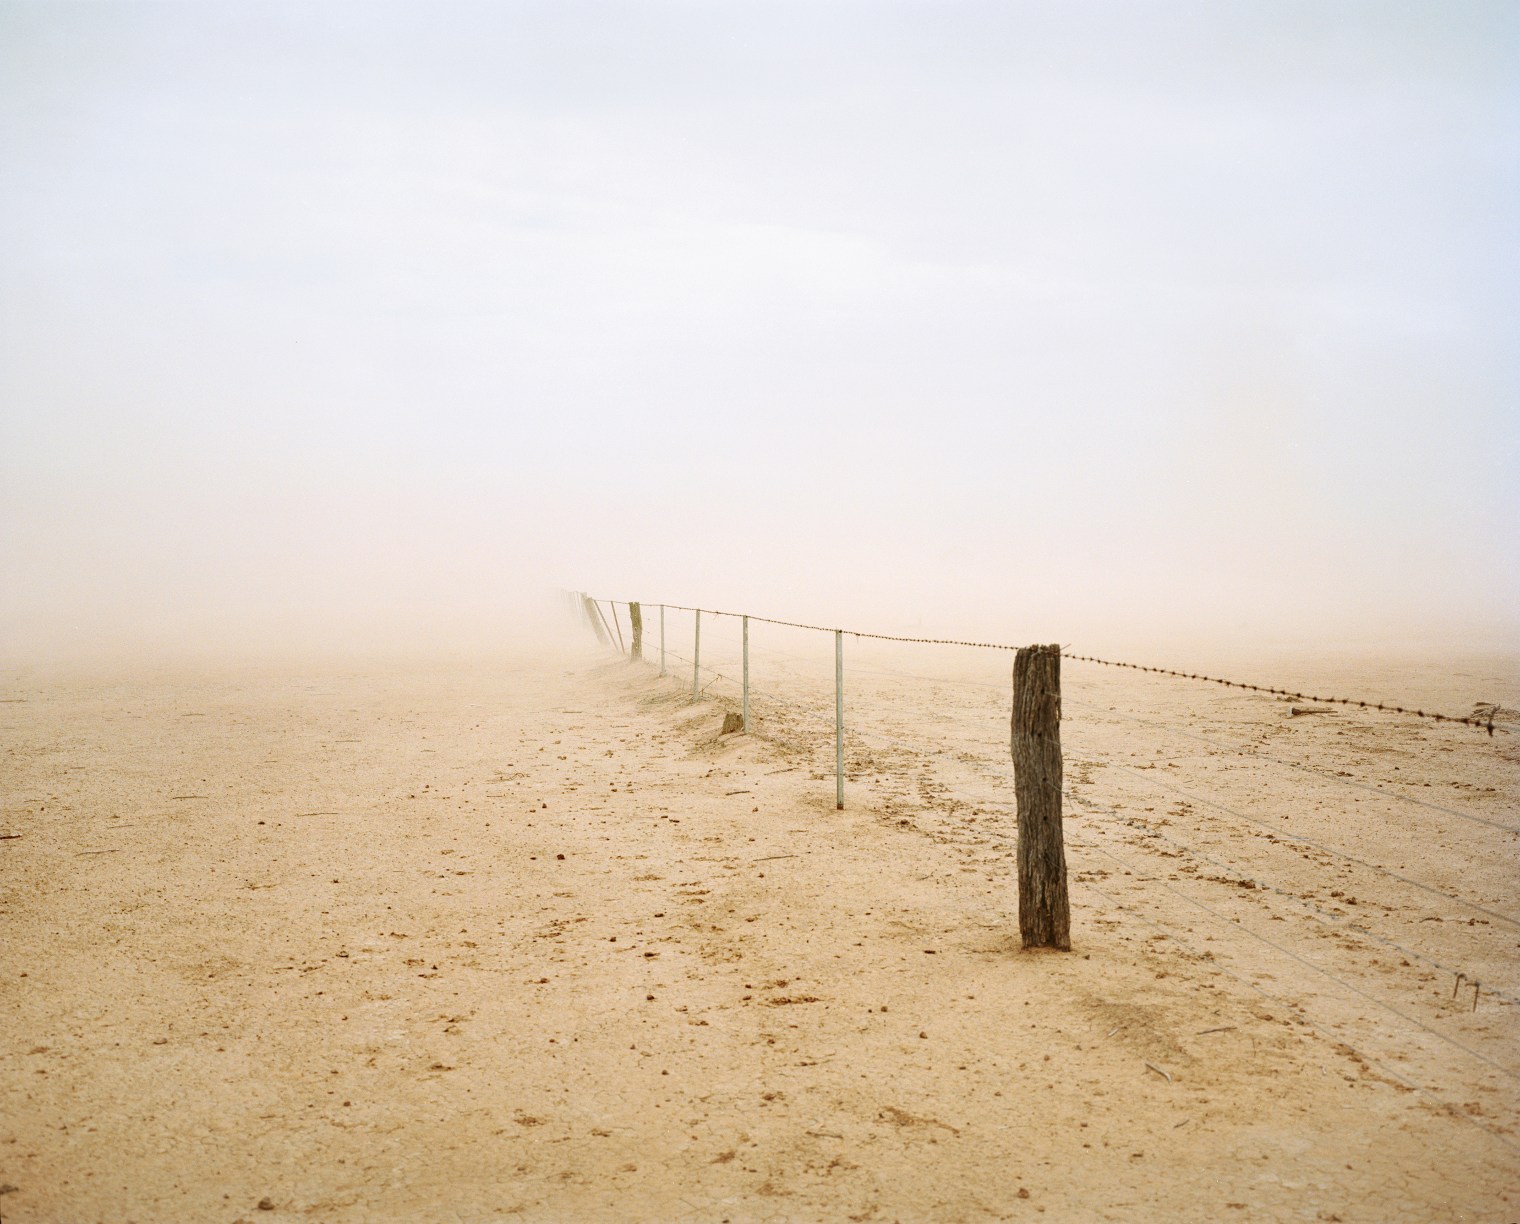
(1239, 830)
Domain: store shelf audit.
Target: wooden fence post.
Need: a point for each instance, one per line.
(1044, 908)
(636, 617)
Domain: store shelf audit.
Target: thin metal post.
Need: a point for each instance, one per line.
(662, 639)
(603, 616)
(839, 719)
(696, 655)
(623, 649)
(746, 675)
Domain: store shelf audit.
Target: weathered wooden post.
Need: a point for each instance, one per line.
(636, 618)
(1044, 908)
(746, 675)
(594, 615)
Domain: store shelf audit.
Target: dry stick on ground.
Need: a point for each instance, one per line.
(1044, 907)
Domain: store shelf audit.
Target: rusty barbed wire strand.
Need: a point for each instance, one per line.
(1486, 724)
(861, 734)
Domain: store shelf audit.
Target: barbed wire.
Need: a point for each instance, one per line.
(1331, 918)
(1256, 754)
(1489, 723)
(917, 747)
(1239, 750)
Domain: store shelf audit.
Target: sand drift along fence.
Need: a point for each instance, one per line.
(1361, 850)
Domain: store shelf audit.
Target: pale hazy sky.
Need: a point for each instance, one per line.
(324, 321)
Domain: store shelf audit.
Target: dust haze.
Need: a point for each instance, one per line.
(365, 328)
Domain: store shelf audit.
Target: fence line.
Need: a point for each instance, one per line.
(1139, 825)
(1134, 822)
(1234, 748)
(1488, 723)
(945, 825)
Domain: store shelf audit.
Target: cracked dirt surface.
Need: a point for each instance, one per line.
(527, 940)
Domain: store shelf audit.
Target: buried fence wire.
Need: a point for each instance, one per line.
(1318, 773)
(1320, 846)
(1487, 723)
(1303, 1017)
(1308, 964)
(1307, 906)
(1328, 916)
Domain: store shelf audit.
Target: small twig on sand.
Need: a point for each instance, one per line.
(770, 857)
(116, 850)
(1228, 1028)
(736, 792)
(9, 836)
(1183, 1123)
(1159, 1072)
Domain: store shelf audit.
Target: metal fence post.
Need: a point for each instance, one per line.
(696, 655)
(839, 719)
(618, 626)
(662, 639)
(746, 675)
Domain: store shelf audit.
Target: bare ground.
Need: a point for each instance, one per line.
(528, 940)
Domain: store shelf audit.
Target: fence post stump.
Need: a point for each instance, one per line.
(1044, 907)
(636, 619)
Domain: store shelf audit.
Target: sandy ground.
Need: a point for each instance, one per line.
(527, 939)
